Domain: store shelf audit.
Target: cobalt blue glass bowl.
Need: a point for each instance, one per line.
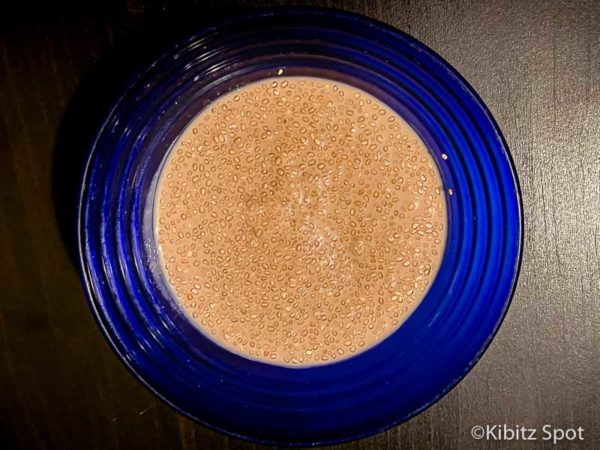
(367, 393)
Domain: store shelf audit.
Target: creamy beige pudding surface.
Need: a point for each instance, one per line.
(299, 221)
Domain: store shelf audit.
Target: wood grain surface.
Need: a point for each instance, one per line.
(535, 63)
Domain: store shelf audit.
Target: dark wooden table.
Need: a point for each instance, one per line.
(537, 66)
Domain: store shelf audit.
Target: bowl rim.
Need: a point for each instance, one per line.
(377, 25)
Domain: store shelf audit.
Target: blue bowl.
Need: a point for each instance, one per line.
(379, 388)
